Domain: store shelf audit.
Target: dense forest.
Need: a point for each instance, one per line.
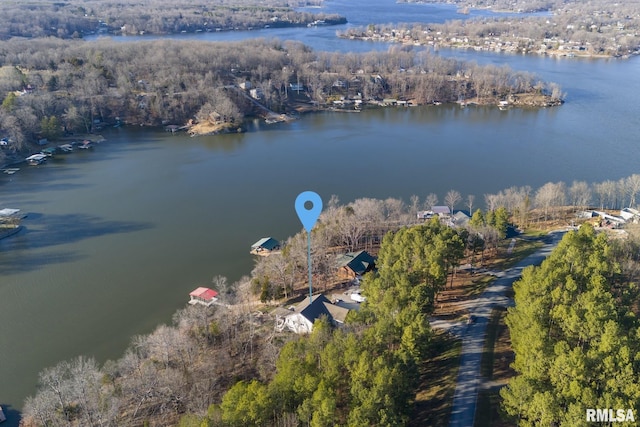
(229, 366)
(52, 86)
(594, 29)
(575, 333)
(75, 19)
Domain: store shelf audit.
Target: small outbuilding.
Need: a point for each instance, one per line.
(203, 296)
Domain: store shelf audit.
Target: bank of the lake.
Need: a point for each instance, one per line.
(116, 238)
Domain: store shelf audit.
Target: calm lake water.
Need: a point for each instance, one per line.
(117, 237)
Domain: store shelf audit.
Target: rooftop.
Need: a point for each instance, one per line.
(359, 262)
(204, 293)
(268, 243)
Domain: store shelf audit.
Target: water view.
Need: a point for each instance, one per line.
(117, 237)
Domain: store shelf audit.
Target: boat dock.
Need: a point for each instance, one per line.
(36, 159)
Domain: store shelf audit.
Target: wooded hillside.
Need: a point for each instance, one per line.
(76, 19)
(76, 84)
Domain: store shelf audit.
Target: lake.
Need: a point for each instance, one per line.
(117, 237)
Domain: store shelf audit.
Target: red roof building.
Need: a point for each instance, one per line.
(203, 296)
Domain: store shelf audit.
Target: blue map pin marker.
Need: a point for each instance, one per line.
(308, 217)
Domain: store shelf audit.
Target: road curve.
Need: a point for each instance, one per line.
(464, 399)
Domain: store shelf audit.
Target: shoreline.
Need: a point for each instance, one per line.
(495, 46)
(523, 100)
(18, 158)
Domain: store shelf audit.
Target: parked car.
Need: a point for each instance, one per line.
(357, 297)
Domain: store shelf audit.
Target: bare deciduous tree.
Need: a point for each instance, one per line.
(550, 195)
(470, 199)
(491, 201)
(452, 198)
(632, 188)
(580, 194)
(431, 201)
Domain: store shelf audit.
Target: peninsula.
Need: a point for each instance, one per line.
(51, 87)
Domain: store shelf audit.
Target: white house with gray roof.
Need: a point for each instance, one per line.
(300, 319)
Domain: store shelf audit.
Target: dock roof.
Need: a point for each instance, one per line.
(268, 243)
(204, 293)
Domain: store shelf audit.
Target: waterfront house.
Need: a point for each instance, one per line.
(265, 246)
(203, 296)
(460, 219)
(354, 264)
(300, 318)
(630, 214)
(424, 215)
(441, 211)
(611, 221)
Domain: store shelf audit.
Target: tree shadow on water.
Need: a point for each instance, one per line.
(54, 230)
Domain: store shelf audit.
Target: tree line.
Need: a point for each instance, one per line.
(75, 19)
(363, 223)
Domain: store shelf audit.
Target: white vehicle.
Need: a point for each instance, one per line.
(355, 296)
